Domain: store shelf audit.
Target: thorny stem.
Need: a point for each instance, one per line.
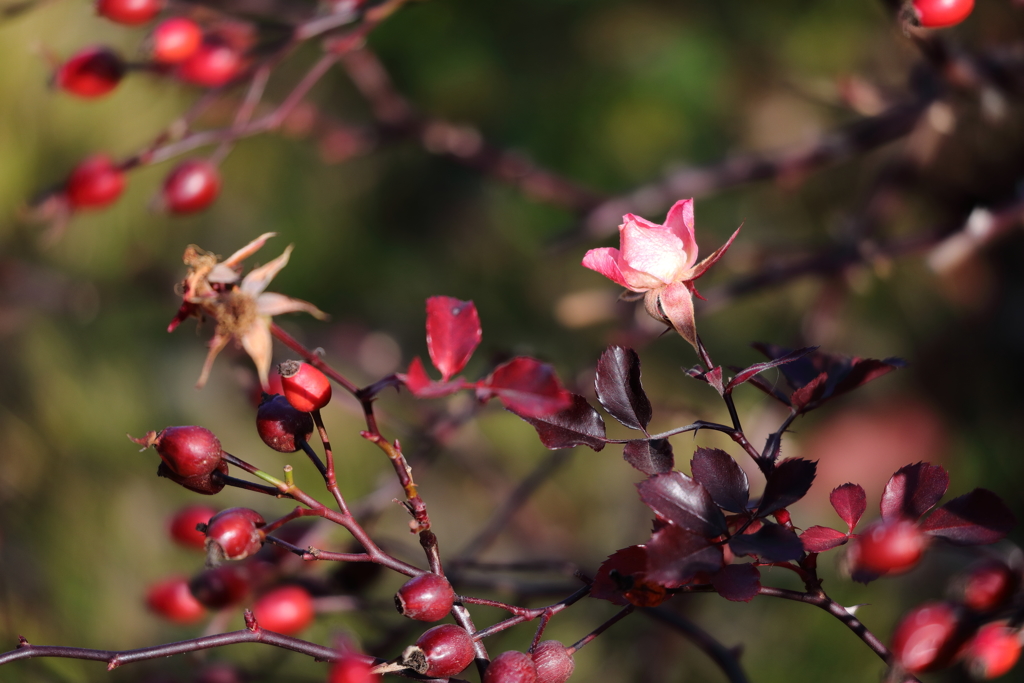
(531, 614)
(330, 478)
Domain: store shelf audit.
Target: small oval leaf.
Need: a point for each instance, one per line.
(619, 389)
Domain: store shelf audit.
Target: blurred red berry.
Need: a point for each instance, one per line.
(234, 533)
(989, 585)
(175, 40)
(94, 183)
(211, 65)
(183, 525)
(221, 586)
(281, 426)
(287, 610)
(427, 597)
(305, 387)
(93, 72)
(350, 669)
(511, 667)
(993, 651)
(889, 547)
(192, 186)
(172, 600)
(129, 12)
(942, 13)
(441, 652)
(925, 639)
(553, 661)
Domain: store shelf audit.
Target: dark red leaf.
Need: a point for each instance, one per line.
(975, 518)
(714, 378)
(453, 333)
(737, 582)
(801, 371)
(757, 368)
(863, 370)
(650, 457)
(421, 386)
(675, 556)
(718, 472)
(622, 580)
(788, 483)
(818, 539)
(850, 502)
(810, 394)
(578, 425)
(527, 387)
(770, 389)
(771, 543)
(913, 491)
(619, 389)
(684, 502)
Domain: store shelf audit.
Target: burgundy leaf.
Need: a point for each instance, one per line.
(737, 582)
(818, 539)
(863, 370)
(757, 368)
(453, 333)
(622, 580)
(788, 483)
(770, 389)
(527, 387)
(650, 457)
(718, 472)
(578, 425)
(809, 394)
(771, 543)
(675, 556)
(801, 371)
(619, 389)
(684, 502)
(850, 502)
(421, 386)
(975, 518)
(913, 491)
(714, 378)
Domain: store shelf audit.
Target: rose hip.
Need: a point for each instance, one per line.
(287, 610)
(221, 586)
(925, 638)
(93, 72)
(211, 65)
(94, 183)
(172, 600)
(441, 652)
(305, 387)
(553, 661)
(129, 12)
(188, 451)
(234, 533)
(427, 597)
(183, 525)
(192, 186)
(511, 667)
(175, 40)
(281, 426)
(889, 547)
(993, 651)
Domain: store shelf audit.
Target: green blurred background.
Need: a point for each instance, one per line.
(611, 93)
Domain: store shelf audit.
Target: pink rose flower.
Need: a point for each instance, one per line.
(659, 261)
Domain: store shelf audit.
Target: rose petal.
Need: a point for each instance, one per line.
(257, 280)
(217, 345)
(677, 303)
(605, 262)
(272, 303)
(680, 222)
(258, 343)
(701, 267)
(651, 258)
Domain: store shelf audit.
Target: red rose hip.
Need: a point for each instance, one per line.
(287, 610)
(175, 40)
(183, 525)
(993, 651)
(281, 426)
(129, 12)
(352, 669)
(221, 587)
(305, 387)
(205, 484)
(988, 585)
(427, 597)
(942, 13)
(172, 600)
(192, 186)
(925, 639)
(553, 661)
(234, 533)
(188, 451)
(511, 667)
(93, 72)
(94, 183)
(441, 652)
(889, 547)
(211, 65)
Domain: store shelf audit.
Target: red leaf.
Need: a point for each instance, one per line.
(675, 556)
(719, 473)
(913, 491)
(850, 502)
(757, 368)
(787, 483)
(527, 387)
(818, 539)
(771, 543)
(453, 333)
(650, 457)
(975, 518)
(683, 501)
(578, 425)
(619, 389)
(810, 393)
(421, 386)
(622, 580)
(737, 582)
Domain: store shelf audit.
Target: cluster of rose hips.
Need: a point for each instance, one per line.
(972, 628)
(177, 46)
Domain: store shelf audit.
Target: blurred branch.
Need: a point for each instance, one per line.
(727, 659)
